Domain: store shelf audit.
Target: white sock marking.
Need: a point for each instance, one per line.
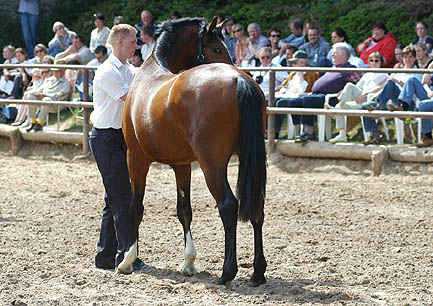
(190, 254)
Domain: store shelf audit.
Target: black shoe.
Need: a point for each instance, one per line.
(372, 140)
(304, 137)
(391, 107)
(138, 265)
(31, 127)
(104, 265)
(37, 128)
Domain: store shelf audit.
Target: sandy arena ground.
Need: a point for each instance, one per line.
(333, 235)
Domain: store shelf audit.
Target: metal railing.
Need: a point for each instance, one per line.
(272, 110)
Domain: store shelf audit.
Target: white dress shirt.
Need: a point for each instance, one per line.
(112, 81)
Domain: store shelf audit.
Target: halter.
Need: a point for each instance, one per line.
(201, 59)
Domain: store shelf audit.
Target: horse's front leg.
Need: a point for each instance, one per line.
(258, 277)
(184, 214)
(138, 170)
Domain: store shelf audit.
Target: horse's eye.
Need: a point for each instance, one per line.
(217, 50)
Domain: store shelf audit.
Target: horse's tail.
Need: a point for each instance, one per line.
(251, 185)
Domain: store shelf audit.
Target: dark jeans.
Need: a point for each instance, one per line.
(310, 101)
(109, 149)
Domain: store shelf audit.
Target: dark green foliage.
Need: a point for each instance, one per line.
(354, 16)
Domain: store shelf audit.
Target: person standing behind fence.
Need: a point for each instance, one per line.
(29, 12)
(110, 89)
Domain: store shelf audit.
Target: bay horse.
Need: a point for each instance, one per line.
(179, 111)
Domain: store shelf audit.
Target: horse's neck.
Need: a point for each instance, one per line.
(151, 69)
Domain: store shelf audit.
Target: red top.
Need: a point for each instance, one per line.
(385, 46)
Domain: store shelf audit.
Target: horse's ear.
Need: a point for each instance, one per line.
(211, 26)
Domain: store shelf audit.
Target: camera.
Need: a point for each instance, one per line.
(259, 79)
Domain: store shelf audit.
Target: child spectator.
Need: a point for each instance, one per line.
(380, 41)
(62, 39)
(99, 35)
(398, 54)
(6, 81)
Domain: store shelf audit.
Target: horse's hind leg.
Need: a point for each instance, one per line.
(258, 277)
(138, 170)
(184, 213)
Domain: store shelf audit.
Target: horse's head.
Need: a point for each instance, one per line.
(189, 42)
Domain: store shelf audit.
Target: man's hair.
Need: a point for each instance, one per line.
(298, 24)
(148, 29)
(342, 48)
(101, 49)
(120, 30)
(254, 25)
(81, 39)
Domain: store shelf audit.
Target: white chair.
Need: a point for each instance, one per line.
(292, 130)
(399, 130)
(324, 122)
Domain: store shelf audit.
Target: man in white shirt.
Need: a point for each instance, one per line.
(111, 86)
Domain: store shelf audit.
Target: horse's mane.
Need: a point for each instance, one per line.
(165, 39)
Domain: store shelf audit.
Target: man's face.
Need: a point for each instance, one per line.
(101, 57)
(146, 18)
(77, 44)
(253, 33)
(338, 57)
(59, 73)
(128, 45)
(313, 36)
(295, 31)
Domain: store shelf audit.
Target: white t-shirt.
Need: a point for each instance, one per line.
(112, 81)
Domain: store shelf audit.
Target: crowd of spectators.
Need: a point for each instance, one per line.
(304, 47)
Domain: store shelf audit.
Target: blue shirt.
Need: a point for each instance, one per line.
(29, 6)
(315, 55)
(293, 40)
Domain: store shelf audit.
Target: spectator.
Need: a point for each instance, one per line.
(339, 35)
(380, 41)
(101, 54)
(423, 59)
(54, 88)
(426, 123)
(317, 48)
(99, 35)
(137, 59)
(256, 40)
(146, 19)
(388, 97)
(6, 81)
(29, 12)
(421, 32)
(118, 20)
(38, 77)
(229, 38)
(353, 96)
(21, 77)
(296, 38)
(274, 38)
(62, 39)
(398, 51)
(296, 84)
(147, 37)
(262, 77)
(241, 46)
(309, 23)
(288, 54)
(77, 53)
(175, 15)
(330, 82)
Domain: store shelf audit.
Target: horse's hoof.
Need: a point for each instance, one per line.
(256, 281)
(124, 269)
(189, 270)
(224, 282)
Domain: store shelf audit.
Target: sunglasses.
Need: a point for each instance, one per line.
(46, 71)
(235, 31)
(374, 61)
(275, 35)
(265, 57)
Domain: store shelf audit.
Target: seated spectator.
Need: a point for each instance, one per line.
(296, 38)
(229, 38)
(99, 35)
(77, 53)
(421, 32)
(22, 77)
(148, 39)
(380, 41)
(62, 39)
(423, 59)
(274, 38)
(54, 88)
(146, 19)
(353, 96)
(330, 82)
(175, 15)
(256, 40)
(137, 59)
(317, 48)
(241, 45)
(118, 20)
(262, 77)
(309, 23)
(338, 35)
(388, 97)
(398, 54)
(296, 84)
(6, 81)
(282, 60)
